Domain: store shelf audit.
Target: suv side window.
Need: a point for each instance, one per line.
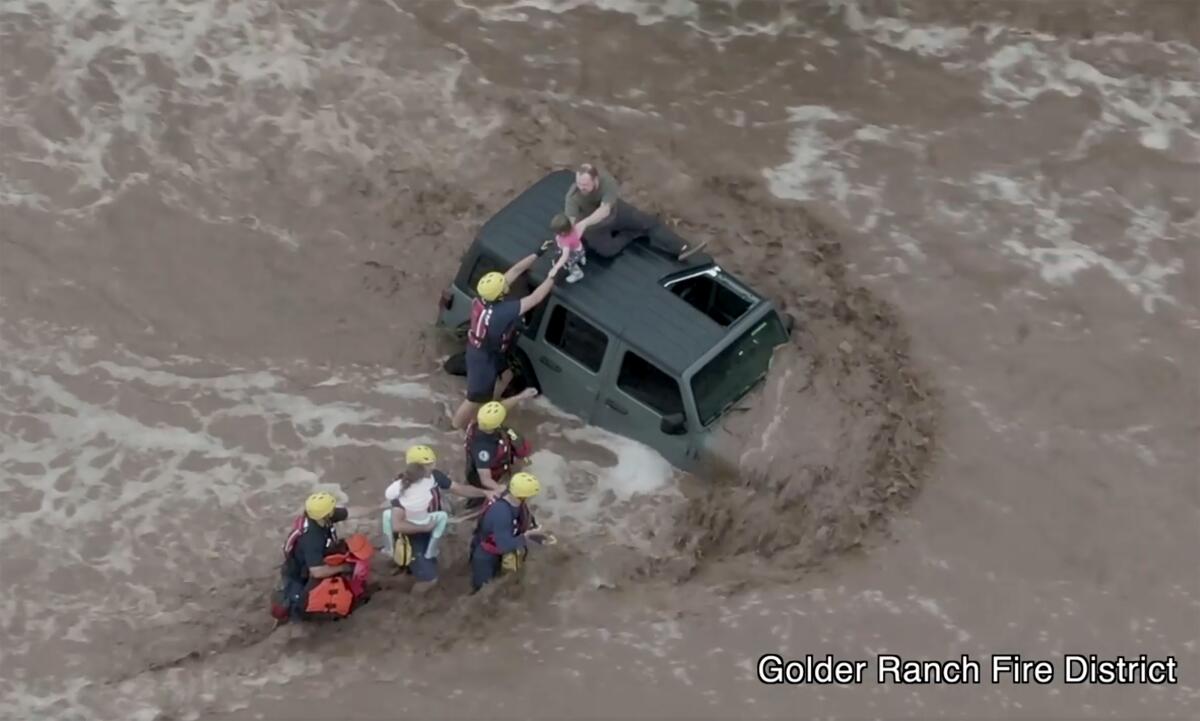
(645, 382)
(521, 287)
(576, 337)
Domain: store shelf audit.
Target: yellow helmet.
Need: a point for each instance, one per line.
(491, 286)
(524, 485)
(320, 505)
(491, 416)
(420, 455)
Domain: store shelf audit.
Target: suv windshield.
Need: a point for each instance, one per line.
(736, 369)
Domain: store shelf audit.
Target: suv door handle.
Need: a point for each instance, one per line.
(616, 408)
(550, 364)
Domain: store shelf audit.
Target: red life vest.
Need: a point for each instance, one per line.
(481, 319)
(299, 526)
(333, 595)
(521, 523)
(509, 448)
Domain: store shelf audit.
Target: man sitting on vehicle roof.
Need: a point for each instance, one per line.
(493, 329)
(608, 223)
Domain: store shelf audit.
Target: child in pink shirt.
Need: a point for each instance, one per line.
(569, 240)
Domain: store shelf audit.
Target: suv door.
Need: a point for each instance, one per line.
(635, 402)
(569, 359)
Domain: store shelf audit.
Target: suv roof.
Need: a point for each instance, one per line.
(624, 294)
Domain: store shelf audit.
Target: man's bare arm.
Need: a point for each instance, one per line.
(485, 477)
(522, 265)
(609, 193)
(466, 490)
(400, 523)
(539, 293)
(595, 218)
(327, 571)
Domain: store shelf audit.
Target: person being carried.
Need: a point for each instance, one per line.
(570, 241)
(493, 327)
(322, 576)
(415, 521)
(492, 448)
(506, 524)
(607, 224)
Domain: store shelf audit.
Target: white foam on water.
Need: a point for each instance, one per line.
(318, 423)
(720, 30)
(578, 102)
(1162, 111)
(825, 163)
(646, 12)
(331, 382)
(97, 431)
(639, 470)
(629, 502)
(898, 34)
(546, 408)
(576, 500)
(123, 465)
(23, 701)
(16, 193)
(773, 426)
(235, 69)
(815, 168)
(1018, 211)
(1045, 212)
(230, 382)
(408, 390)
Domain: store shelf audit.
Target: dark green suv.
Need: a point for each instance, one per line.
(647, 346)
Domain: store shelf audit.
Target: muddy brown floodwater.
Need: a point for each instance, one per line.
(225, 225)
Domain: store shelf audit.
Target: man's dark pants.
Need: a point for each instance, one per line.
(623, 225)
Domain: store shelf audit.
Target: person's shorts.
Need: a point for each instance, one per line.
(423, 569)
(483, 369)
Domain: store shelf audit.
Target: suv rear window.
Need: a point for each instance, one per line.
(577, 338)
(645, 382)
(735, 370)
